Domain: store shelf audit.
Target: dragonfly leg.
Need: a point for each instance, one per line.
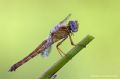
(71, 41)
(57, 46)
(59, 52)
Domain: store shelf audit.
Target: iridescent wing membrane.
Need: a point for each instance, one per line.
(65, 20)
(46, 52)
(60, 24)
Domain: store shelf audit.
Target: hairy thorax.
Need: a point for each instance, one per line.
(62, 32)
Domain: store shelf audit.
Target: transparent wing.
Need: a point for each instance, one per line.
(65, 19)
(46, 52)
(60, 24)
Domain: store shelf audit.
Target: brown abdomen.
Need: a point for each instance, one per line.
(39, 49)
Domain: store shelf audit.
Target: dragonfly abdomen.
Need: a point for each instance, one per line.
(38, 50)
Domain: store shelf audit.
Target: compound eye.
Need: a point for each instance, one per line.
(73, 26)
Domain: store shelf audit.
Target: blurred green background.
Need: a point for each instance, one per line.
(24, 24)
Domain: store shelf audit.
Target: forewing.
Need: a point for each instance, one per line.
(65, 19)
(60, 24)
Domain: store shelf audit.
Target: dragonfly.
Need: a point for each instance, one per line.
(59, 34)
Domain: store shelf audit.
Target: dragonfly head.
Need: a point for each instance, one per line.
(73, 25)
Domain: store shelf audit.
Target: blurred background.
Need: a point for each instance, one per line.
(24, 24)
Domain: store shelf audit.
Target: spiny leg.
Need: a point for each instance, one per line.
(71, 41)
(59, 50)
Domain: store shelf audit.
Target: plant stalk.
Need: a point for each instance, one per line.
(50, 73)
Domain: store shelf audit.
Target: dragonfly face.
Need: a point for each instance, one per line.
(73, 25)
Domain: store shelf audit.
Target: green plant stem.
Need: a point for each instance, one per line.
(61, 62)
